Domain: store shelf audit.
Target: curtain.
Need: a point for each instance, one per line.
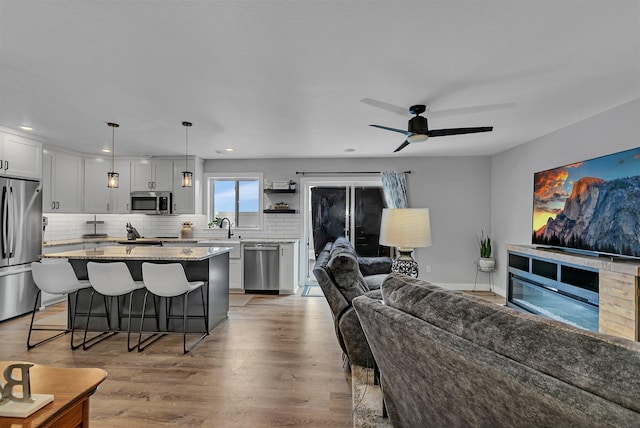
(394, 186)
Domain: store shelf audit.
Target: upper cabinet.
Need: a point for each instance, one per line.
(62, 175)
(150, 175)
(98, 198)
(187, 200)
(20, 156)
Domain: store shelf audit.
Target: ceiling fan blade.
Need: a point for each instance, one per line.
(403, 111)
(401, 146)
(457, 131)
(392, 129)
(470, 110)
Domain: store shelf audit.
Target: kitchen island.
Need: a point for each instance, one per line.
(209, 264)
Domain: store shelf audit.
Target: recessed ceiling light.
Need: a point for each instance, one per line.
(220, 152)
(349, 150)
(106, 150)
(229, 149)
(26, 128)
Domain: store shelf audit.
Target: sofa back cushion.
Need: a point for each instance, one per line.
(604, 365)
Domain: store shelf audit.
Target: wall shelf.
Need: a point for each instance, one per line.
(279, 190)
(279, 211)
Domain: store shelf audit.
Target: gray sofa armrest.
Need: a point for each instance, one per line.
(374, 265)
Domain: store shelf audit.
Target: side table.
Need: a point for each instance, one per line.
(71, 388)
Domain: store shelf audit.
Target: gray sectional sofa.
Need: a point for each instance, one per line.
(343, 275)
(448, 359)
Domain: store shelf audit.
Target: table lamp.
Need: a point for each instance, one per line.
(406, 229)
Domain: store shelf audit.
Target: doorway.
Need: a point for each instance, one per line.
(334, 208)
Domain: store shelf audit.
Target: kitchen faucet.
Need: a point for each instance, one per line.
(229, 223)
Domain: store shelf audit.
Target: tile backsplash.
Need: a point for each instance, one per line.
(70, 226)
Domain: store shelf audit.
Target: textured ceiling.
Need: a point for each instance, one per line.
(286, 78)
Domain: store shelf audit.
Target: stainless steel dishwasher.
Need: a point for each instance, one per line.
(261, 268)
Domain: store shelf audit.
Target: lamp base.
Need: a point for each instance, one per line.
(405, 264)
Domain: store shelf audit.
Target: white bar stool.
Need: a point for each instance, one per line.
(111, 280)
(168, 280)
(56, 278)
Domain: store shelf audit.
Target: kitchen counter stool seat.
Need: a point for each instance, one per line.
(56, 278)
(113, 281)
(166, 281)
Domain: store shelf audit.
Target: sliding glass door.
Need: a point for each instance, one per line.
(338, 208)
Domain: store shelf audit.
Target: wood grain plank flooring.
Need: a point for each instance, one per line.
(274, 362)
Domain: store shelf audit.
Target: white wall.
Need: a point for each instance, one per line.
(455, 189)
(512, 171)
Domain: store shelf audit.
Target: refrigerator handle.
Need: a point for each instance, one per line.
(12, 219)
(5, 227)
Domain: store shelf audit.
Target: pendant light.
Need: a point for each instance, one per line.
(113, 178)
(187, 176)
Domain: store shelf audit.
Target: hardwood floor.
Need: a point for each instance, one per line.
(274, 362)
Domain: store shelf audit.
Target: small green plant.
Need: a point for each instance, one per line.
(215, 222)
(485, 246)
(292, 183)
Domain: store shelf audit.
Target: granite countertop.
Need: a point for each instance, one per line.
(142, 252)
(75, 241)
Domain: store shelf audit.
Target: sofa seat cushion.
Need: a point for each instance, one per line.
(374, 282)
(595, 362)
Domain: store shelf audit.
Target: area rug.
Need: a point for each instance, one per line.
(239, 300)
(367, 400)
(312, 291)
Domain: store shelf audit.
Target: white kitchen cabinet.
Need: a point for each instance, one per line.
(187, 200)
(20, 156)
(149, 175)
(235, 274)
(288, 267)
(98, 198)
(62, 177)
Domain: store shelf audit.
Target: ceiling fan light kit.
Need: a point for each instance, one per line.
(418, 128)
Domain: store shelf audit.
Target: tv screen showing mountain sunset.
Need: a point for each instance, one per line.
(592, 205)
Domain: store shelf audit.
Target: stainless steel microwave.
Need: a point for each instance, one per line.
(151, 202)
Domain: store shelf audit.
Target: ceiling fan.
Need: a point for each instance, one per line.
(418, 129)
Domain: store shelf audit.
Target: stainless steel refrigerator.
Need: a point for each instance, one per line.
(20, 244)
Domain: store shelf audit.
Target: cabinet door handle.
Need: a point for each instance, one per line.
(57, 205)
(6, 165)
(107, 206)
(53, 205)
(127, 206)
(175, 207)
(0, 163)
(149, 184)
(153, 184)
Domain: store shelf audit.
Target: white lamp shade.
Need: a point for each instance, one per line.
(405, 227)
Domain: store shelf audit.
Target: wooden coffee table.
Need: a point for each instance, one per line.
(71, 389)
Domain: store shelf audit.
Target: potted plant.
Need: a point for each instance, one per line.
(486, 263)
(215, 222)
(292, 185)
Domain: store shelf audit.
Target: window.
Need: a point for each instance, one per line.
(237, 198)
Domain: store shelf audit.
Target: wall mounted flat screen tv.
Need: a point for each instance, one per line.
(592, 205)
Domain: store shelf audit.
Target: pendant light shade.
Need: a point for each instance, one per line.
(187, 176)
(113, 178)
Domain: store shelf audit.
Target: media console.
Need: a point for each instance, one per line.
(591, 292)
